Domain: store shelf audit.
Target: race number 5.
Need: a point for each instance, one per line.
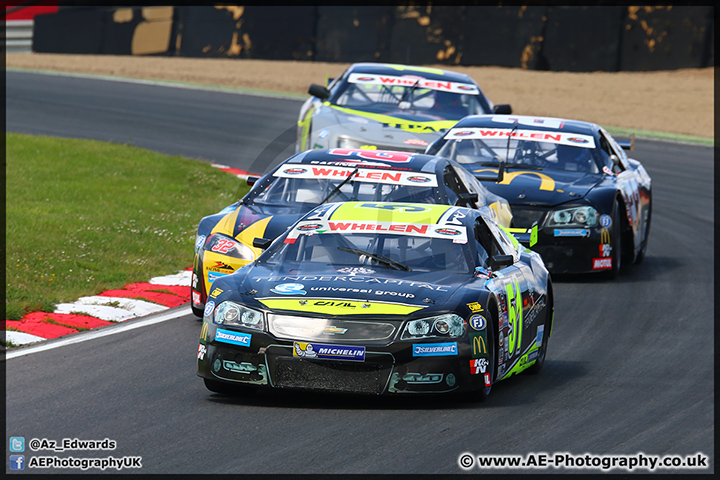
(514, 306)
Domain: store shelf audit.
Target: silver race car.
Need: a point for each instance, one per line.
(388, 107)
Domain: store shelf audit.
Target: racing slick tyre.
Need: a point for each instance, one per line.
(198, 312)
(540, 361)
(643, 248)
(228, 388)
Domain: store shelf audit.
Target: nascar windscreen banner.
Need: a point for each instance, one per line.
(411, 81)
(392, 177)
(384, 218)
(560, 138)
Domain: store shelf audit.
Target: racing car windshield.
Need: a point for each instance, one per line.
(370, 250)
(526, 149)
(299, 195)
(408, 95)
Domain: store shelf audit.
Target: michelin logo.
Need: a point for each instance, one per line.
(329, 352)
(435, 349)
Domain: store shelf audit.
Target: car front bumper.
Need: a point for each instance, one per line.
(385, 369)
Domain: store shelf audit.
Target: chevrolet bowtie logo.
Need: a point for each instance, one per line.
(331, 330)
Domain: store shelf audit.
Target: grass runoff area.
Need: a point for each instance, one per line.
(85, 216)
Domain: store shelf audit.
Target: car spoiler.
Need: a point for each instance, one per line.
(628, 144)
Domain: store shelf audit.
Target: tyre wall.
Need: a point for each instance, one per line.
(556, 38)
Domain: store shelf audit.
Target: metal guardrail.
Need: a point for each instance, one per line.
(17, 36)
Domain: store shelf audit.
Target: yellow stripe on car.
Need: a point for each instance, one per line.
(389, 212)
(407, 125)
(338, 306)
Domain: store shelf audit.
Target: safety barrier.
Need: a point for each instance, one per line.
(557, 38)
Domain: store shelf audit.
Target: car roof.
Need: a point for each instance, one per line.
(529, 122)
(407, 161)
(397, 69)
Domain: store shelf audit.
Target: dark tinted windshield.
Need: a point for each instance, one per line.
(523, 152)
(304, 193)
(373, 250)
(408, 95)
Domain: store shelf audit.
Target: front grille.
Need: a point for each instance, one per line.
(525, 217)
(367, 332)
(334, 376)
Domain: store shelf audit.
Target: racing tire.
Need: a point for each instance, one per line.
(616, 244)
(198, 312)
(535, 368)
(643, 247)
(225, 388)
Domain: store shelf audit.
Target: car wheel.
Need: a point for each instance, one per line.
(540, 361)
(225, 388)
(197, 273)
(643, 246)
(198, 312)
(616, 244)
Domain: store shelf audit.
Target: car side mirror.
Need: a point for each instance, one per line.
(319, 91)
(467, 199)
(251, 180)
(629, 144)
(502, 109)
(433, 148)
(615, 159)
(262, 243)
(490, 176)
(497, 262)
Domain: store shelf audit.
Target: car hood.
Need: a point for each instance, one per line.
(405, 128)
(541, 187)
(248, 222)
(350, 290)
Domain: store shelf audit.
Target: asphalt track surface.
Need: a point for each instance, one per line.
(629, 367)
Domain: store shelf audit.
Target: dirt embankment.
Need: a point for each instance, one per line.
(679, 101)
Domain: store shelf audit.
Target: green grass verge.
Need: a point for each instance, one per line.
(85, 216)
(649, 134)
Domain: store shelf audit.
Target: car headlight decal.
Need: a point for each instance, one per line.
(585, 216)
(444, 326)
(233, 314)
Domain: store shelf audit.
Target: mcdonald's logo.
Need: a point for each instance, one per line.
(604, 235)
(204, 331)
(479, 345)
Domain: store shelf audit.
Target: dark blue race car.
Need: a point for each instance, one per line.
(576, 197)
(380, 298)
(224, 240)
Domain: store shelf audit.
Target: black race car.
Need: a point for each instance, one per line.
(380, 298)
(225, 240)
(576, 197)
